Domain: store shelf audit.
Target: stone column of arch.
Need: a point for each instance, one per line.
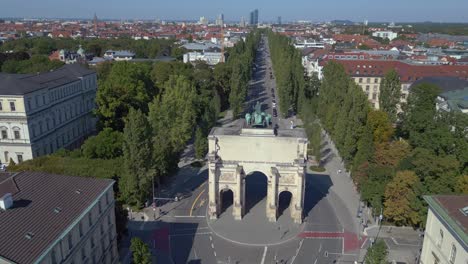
(238, 203)
(213, 192)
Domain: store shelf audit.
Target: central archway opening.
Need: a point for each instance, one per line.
(284, 201)
(256, 186)
(226, 199)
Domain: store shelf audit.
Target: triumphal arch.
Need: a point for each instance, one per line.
(234, 153)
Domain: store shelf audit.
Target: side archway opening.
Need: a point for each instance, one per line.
(284, 202)
(226, 200)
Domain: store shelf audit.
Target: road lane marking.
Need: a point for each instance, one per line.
(364, 243)
(189, 216)
(191, 234)
(183, 229)
(196, 199)
(264, 255)
(402, 244)
(212, 246)
(297, 251)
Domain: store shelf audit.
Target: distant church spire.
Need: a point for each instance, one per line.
(95, 21)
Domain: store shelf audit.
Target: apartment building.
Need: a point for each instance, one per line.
(49, 219)
(446, 235)
(368, 74)
(41, 113)
(211, 58)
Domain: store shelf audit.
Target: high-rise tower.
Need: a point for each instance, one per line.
(254, 17)
(95, 21)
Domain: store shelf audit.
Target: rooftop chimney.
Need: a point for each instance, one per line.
(6, 201)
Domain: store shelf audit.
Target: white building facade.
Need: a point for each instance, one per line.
(211, 58)
(390, 35)
(42, 113)
(445, 238)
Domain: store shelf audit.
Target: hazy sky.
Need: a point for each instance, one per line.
(315, 10)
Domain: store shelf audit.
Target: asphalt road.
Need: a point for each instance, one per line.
(182, 235)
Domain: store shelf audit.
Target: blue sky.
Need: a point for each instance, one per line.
(315, 10)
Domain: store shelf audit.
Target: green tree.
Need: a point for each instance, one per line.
(137, 153)
(461, 186)
(140, 251)
(381, 126)
(437, 173)
(105, 145)
(391, 153)
(127, 85)
(201, 144)
(173, 113)
(377, 253)
(419, 115)
(400, 195)
(390, 94)
(365, 148)
(373, 188)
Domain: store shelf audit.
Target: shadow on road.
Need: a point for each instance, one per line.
(182, 241)
(255, 189)
(317, 187)
(326, 159)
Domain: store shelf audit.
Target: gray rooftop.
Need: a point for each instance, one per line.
(201, 46)
(20, 84)
(258, 132)
(35, 197)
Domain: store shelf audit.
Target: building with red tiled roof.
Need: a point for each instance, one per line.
(368, 74)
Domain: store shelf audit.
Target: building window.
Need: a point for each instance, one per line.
(4, 133)
(92, 242)
(453, 254)
(107, 198)
(102, 229)
(374, 96)
(70, 241)
(6, 156)
(367, 88)
(83, 253)
(368, 80)
(99, 206)
(90, 218)
(17, 134)
(80, 228)
(1, 107)
(53, 257)
(20, 158)
(376, 80)
(360, 80)
(108, 220)
(441, 238)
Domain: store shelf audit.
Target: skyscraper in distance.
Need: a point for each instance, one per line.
(279, 20)
(95, 21)
(220, 20)
(254, 17)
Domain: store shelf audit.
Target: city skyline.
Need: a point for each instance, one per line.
(399, 11)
